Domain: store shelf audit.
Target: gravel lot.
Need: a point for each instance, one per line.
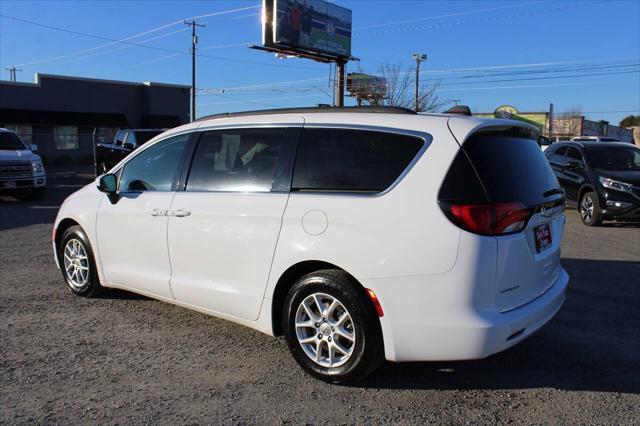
(126, 359)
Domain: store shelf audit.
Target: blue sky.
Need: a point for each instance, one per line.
(474, 40)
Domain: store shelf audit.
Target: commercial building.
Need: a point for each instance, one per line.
(563, 126)
(65, 116)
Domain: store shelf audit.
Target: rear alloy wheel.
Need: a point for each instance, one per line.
(331, 328)
(77, 263)
(590, 210)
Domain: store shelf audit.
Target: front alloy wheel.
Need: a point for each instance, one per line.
(77, 263)
(589, 209)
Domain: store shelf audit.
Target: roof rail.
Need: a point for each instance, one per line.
(311, 110)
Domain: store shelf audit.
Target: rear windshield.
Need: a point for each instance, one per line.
(614, 158)
(508, 167)
(10, 141)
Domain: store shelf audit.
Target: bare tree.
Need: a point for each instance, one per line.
(401, 90)
(569, 123)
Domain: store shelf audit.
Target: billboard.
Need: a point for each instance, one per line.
(307, 27)
(366, 86)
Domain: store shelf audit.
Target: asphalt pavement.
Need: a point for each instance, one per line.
(123, 358)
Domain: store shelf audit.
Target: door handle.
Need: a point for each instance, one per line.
(157, 212)
(179, 213)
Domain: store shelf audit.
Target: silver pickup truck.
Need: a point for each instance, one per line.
(21, 170)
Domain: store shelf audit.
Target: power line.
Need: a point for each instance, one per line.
(219, 58)
(480, 20)
(541, 78)
(448, 15)
(131, 37)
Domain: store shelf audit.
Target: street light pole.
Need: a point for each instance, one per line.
(418, 57)
(194, 41)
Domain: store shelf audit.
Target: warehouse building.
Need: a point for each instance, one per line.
(64, 116)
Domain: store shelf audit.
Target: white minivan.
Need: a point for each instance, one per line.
(360, 234)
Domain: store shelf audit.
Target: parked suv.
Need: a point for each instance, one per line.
(125, 141)
(360, 234)
(601, 180)
(21, 170)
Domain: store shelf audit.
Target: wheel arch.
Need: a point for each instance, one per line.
(60, 229)
(587, 187)
(290, 277)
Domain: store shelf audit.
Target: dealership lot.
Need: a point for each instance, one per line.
(123, 358)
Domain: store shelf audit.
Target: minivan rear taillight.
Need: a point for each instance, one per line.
(489, 218)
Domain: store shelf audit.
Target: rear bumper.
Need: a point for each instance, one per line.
(461, 333)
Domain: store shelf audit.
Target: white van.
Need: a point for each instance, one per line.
(360, 234)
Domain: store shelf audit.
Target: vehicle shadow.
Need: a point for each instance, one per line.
(117, 294)
(621, 225)
(591, 345)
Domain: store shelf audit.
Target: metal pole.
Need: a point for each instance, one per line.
(418, 58)
(340, 85)
(193, 71)
(194, 41)
(417, 107)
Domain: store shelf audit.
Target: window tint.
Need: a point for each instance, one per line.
(614, 158)
(250, 160)
(574, 155)
(154, 169)
(10, 141)
(558, 155)
(511, 167)
(352, 160)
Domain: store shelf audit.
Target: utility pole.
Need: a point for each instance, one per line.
(340, 86)
(194, 40)
(418, 57)
(12, 73)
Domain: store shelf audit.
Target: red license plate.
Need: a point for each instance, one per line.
(543, 237)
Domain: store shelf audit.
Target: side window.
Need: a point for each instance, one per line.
(249, 160)
(156, 168)
(131, 139)
(120, 137)
(557, 156)
(574, 155)
(352, 160)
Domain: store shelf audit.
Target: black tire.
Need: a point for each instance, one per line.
(367, 352)
(91, 287)
(589, 209)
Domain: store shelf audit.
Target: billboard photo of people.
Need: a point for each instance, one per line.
(313, 25)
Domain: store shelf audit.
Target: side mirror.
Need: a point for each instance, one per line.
(34, 147)
(129, 146)
(109, 185)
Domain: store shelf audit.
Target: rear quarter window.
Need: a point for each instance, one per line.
(352, 160)
(511, 167)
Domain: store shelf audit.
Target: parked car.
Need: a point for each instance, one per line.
(21, 171)
(360, 234)
(125, 142)
(601, 180)
(594, 139)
